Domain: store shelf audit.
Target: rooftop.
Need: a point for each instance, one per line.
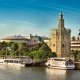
(15, 37)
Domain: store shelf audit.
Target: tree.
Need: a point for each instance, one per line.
(45, 47)
(73, 38)
(21, 47)
(14, 48)
(3, 45)
(47, 51)
(43, 52)
(32, 54)
(3, 51)
(76, 55)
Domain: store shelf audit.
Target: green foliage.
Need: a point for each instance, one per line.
(76, 55)
(21, 46)
(38, 51)
(3, 45)
(40, 54)
(14, 46)
(31, 54)
(45, 47)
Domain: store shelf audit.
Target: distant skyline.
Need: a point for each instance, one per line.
(24, 17)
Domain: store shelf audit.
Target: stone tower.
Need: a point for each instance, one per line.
(60, 39)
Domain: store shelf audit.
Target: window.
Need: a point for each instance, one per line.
(53, 45)
(62, 45)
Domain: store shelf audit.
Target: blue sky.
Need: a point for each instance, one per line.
(37, 16)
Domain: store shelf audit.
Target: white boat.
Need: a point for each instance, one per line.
(60, 63)
(13, 62)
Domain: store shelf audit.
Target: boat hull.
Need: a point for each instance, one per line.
(60, 63)
(4, 62)
(57, 67)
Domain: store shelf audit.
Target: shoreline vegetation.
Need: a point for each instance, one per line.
(76, 55)
(38, 52)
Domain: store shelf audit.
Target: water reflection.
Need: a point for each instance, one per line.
(10, 68)
(37, 73)
(73, 75)
(55, 74)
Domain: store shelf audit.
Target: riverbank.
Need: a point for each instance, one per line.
(77, 65)
(37, 63)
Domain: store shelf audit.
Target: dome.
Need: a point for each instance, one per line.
(15, 37)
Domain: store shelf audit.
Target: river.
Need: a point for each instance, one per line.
(37, 73)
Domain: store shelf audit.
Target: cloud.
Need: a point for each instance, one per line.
(17, 27)
(14, 27)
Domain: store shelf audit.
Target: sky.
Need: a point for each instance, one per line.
(37, 17)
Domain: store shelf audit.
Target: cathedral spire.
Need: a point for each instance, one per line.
(61, 21)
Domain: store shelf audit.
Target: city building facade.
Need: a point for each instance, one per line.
(75, 42)
(16, 39)
(31, 40)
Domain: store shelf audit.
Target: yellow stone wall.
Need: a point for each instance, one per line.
(60, 42)
(60, 39)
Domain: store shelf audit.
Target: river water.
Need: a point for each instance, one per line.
(37, 73)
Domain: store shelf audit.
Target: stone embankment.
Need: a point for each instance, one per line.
(77, 65)
(40, 63)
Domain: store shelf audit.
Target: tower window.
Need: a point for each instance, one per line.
(62, 45)
(53, 45)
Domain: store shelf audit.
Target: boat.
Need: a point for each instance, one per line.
(13, 62)
(60, 63)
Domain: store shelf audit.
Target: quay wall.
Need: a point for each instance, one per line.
(77, 65)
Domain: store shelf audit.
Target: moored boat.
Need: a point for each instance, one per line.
(13, 62)
(60, 63)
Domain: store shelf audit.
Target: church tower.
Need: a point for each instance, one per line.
(60, 39)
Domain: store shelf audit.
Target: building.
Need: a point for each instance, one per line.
(31, 40)
(35, 39)
(75, 42)
(60, 39)
(17, 39)
(46, 40)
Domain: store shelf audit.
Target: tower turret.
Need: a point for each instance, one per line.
(61, 21)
